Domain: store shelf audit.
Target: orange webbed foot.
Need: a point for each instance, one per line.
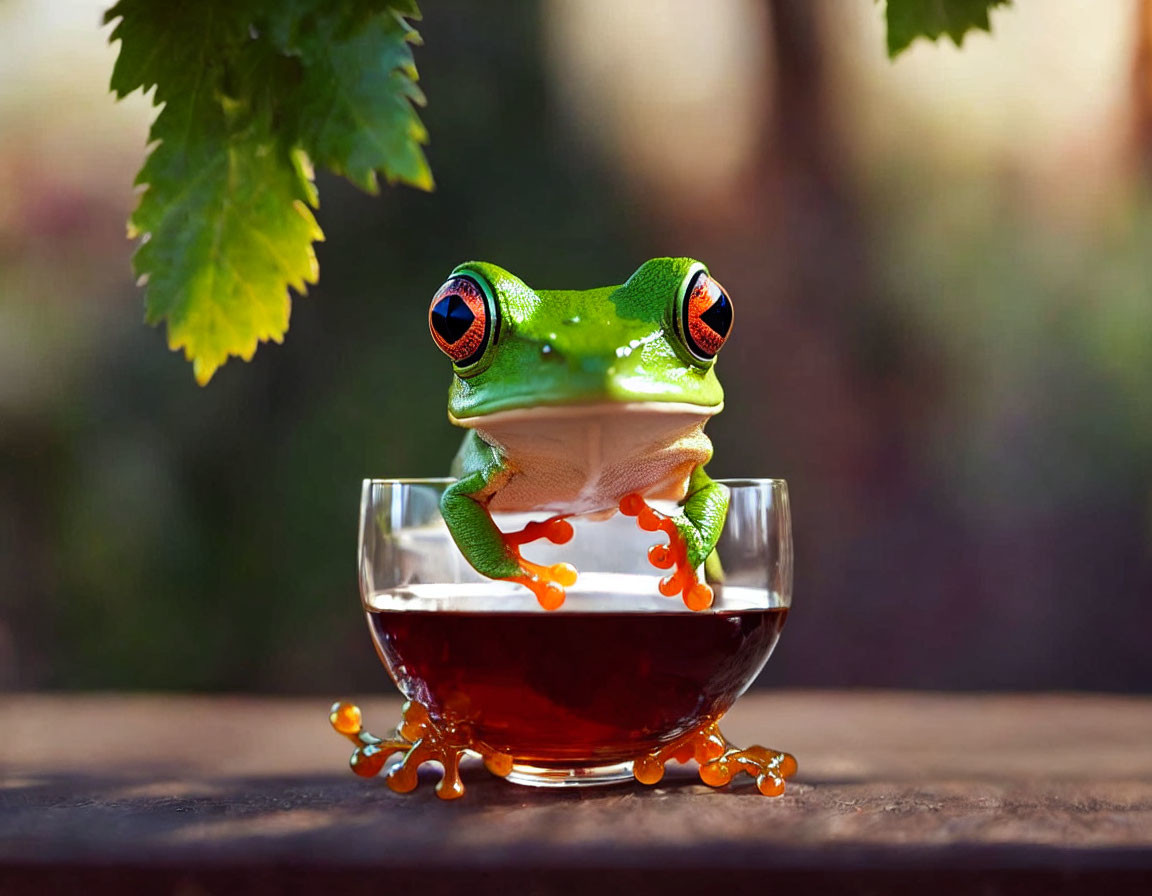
(546, 582)
(683, 580)
(719, 761)
(421, 740)
(769, 767)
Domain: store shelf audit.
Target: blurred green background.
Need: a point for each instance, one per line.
(942, 268)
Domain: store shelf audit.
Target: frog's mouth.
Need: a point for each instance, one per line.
(592, 409)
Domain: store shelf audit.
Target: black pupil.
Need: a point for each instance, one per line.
(451, 318)
(719, 316)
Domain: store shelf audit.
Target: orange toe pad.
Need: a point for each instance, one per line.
(683, 580)
(546, 582)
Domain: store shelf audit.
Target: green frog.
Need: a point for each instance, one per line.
(583, 402)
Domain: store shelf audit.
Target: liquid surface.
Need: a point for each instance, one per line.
(594, 592)
(584, 683)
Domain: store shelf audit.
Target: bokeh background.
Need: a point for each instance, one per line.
(943, 273)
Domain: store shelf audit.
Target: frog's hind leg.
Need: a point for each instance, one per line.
(691, 538)
(719, 760)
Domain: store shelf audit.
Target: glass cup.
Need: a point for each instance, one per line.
(579, 694)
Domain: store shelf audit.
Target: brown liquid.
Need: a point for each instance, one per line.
(557, 688)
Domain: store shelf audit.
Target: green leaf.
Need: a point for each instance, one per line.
(353, 104)
(228, 231)
(168, 47)
(910, 19)
(250, 88)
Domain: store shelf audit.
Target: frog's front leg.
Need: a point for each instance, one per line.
(691, 538)
(491, 552)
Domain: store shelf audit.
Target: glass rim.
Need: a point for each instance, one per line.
(736, 482)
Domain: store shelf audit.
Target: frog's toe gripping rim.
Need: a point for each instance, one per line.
(420, 740)
(719, 761)
(546, 582)
(683, 579)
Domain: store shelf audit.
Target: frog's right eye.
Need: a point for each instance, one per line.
(460, 320)
(705, 316)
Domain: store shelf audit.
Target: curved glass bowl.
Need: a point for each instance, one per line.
(572, 694)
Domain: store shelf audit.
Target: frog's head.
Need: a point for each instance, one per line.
(652, 340)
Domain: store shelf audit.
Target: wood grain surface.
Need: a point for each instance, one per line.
(896, 792)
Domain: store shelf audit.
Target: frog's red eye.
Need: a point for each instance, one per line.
(459, 320)
(706, 317)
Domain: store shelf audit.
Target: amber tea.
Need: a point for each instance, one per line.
(612, 675)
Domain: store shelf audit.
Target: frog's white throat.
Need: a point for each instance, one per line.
(587, 411)
(585, 458)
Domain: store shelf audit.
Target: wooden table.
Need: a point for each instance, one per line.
(897, 792)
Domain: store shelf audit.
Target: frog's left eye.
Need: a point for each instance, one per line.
(460, 321)
(705, 317)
